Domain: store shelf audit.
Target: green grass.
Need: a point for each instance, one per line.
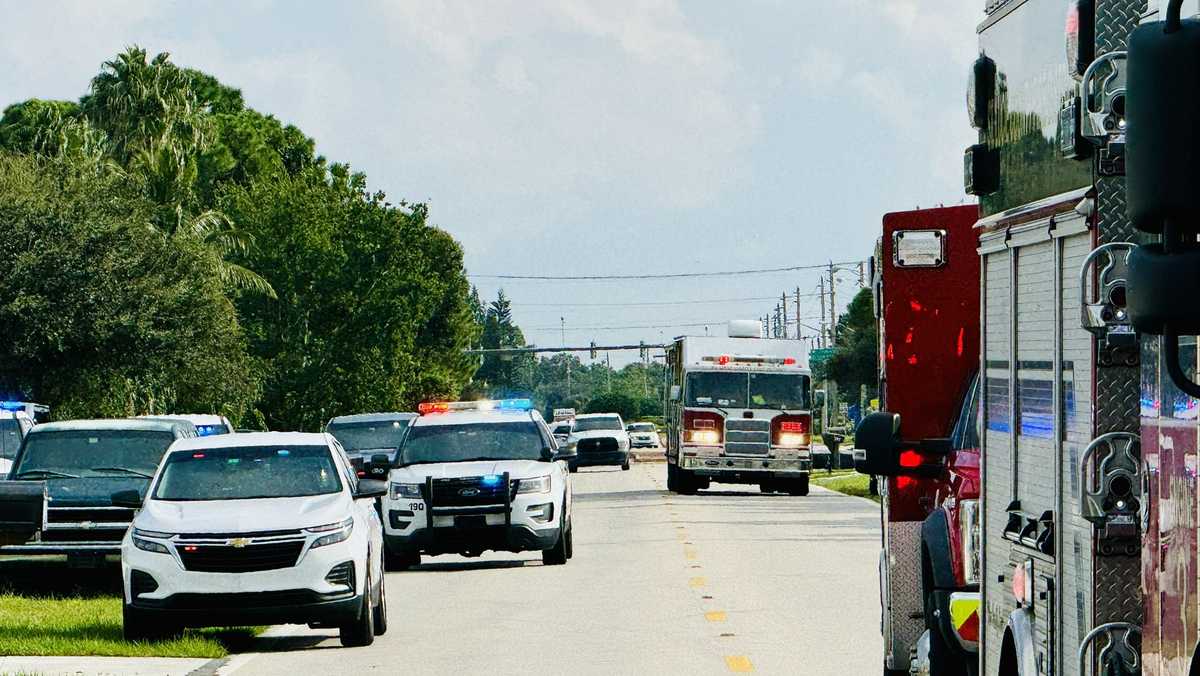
(845, 481)
(47, 608)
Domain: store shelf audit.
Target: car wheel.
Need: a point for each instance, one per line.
(571, 541)
(798, 487)
(381, 618)
(557, 555)
(135, 626)
(625, 465)
(360, 631)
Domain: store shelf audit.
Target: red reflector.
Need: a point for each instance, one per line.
(960, 341)
(433, 407)
(723, 359)
(912, 360)
(789, 361)
(891, 354)
(903, 482)
(915, 305)
(190, 548)
(969, 631)
(793, 426)
(910, 459)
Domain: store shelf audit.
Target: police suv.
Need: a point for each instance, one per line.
(477, 476)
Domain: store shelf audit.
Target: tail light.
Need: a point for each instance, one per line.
(791, 432)
(702, 428)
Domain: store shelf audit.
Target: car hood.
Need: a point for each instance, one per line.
(90, 491)
(517, 469)
(599, 434)
(242, 516)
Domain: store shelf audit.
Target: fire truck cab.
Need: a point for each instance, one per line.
(739, 410)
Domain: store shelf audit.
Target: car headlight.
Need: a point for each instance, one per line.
(537, 484)
(406, 491)
(139, 541)
(968, 526)
(337, 532)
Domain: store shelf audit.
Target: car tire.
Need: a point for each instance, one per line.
(397, 561)
(380, 610)
(573, 468)
(571, 542)
(798, 487)
(625, 465)
(360, 631)
(557, 555)
(136, 626)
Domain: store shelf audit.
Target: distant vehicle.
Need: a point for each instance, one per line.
(561, 431)
(476, 476)
(600, 439)
(14, 425)
(206, 424)
(371, 440)
(257, 528)
(739, 410)
(80, 464)
(642, 435)
(561, 414)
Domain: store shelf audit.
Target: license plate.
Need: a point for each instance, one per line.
(472, 521)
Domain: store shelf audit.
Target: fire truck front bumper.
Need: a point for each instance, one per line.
(738, 469)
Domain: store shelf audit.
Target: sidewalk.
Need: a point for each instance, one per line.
(104, 666)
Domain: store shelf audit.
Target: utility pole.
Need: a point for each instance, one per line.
(832, 306)
(608, 371)
(783, 301)
(821, 338)
(862, 276)
(562, 322)
(798, 336)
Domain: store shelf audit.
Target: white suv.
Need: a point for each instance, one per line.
(600, 439)
(477, 476)
(260, 528)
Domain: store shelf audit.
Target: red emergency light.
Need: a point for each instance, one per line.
(723, 359)
(793, 426)
(433, 407)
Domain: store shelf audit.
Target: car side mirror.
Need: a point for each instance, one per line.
(878, 436)
(371, 488)
(675, 392)
(566, 452)
(130, 498)
(548, 453)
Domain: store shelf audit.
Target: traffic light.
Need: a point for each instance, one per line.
(593, 349)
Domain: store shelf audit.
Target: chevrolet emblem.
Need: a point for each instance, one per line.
(239, 542)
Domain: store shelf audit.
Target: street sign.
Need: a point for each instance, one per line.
(819, 355)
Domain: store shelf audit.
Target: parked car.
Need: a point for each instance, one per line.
(478, 476)
(642, 435)
(600, 439)
(206, 424)
(258, 528)
(81, 463)
(371, 440)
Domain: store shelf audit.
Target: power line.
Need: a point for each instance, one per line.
(621, 328)
(676, 275)
(653, 303)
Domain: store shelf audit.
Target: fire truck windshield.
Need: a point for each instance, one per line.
(725, 389)
(716, 388)
(784, 391)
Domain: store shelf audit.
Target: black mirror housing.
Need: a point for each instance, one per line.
(371, 488)
(131, 499)
(878, 436)
(381, 460)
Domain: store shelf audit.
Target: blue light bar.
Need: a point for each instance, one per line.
(515, 404)
(491, 480)
(12, 405)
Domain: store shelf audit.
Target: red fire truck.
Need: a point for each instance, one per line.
(925, 277)
(739, 411)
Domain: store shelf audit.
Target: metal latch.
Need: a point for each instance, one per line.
(1103, 119)
(1110, 496)
(1104, 313)
(1118, 657)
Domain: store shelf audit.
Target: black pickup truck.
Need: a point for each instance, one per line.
(58, 496)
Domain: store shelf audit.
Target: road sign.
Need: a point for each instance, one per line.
(819, 355)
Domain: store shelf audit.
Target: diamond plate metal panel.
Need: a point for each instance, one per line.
(1119, 589)
(903, 620)
(1115, 19)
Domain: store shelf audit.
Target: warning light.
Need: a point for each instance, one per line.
(910, 459)
(197, 456)
(433, 407)
(792, 426)
(789, 361)
(723, 359)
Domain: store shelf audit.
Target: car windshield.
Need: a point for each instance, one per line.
(474, 441)
(716, 388)
(602, 423)
(382, 434)
(784, 391)
(79, 453)
(10, 438)
(641, 427)
(250, 472)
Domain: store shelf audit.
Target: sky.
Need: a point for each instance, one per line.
(587, 137)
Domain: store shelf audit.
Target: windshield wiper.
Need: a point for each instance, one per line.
(123, 470)
(46, 473)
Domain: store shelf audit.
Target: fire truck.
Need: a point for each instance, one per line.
(925, 281)
(738, 411)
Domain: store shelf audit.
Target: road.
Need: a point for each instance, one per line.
(726, 581)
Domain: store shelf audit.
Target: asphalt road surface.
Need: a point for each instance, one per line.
(728, 581)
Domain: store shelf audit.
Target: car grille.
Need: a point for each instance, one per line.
(597, 445)
(746, 436)
(248, 559)
(468, 491)
(90, 514)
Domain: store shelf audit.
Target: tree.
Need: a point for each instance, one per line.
(855, 359)
(614, 402)
(504, 375)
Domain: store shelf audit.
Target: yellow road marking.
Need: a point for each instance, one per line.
(739, 663)
(697, 582)
(689, 553)
(715, 616)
